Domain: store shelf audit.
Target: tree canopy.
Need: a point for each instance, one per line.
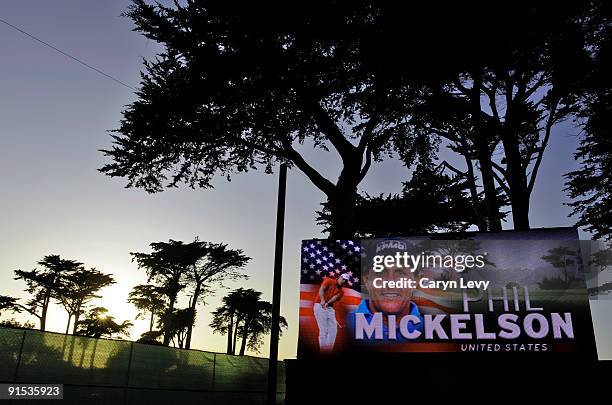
(590, 186)
(244, 87)
(43, 284)
(148, 299)
(78, 289)
(99, 324)
(243, 314)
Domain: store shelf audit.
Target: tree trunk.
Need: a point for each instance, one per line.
(520, 209)
(235, 337)
(517, 179)
(517, 183)
(68, 325)
(196, 295)
(43, 316)
(480, 218)
(76, 322)
(230, 330)
(245, 335)
(168, 315)
(151, 321)
(343, 213)
(490, 191)
(483, 152)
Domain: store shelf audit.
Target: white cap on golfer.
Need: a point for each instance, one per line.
(345, 276)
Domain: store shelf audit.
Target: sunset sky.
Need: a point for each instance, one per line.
(54, 117)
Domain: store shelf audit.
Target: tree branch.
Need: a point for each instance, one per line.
(535, 86)
(501, 182)
(317, 179)
(549, 124)
(464, 90)
(366, 166)
(264, 149)
(445, 134)
(454, 169)
(368, 135)
(491, 95)
(28, 310)
(325, 123)
(499, 168)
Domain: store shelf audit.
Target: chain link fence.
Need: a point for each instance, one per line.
(114, 371)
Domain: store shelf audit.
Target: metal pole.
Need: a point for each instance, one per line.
(276, 289)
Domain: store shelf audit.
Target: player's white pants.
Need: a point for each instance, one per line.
(328, 327)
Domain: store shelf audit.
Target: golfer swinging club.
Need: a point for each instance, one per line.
(330, 292)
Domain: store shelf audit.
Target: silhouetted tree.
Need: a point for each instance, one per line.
(591, 185)
(210, 265)
(151, 337)
(166, 266)
(43, 284)
(9, 304)
(79, 288)
(500, 91)
(226, 318)
(243, 314)
(246, 86)
(177, 326)
(148, 299)
(430, 201)
(258, 323)
(99, 324)
(15, 324)
(199, 265)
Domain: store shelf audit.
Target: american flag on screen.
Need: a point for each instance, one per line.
(320, 259)
(329, 258)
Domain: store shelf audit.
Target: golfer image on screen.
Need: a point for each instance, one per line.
(329, 294)
(389, 301)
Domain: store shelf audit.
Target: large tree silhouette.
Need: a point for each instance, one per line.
(166, 267)
(591, 185)
(44, 283)
(241, 87)
(499, 92)
(212, 264)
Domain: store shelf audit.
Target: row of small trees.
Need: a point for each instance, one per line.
(174, 270)
(197, 269)
(67, 282)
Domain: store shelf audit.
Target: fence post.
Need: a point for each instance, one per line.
(127, 373)
(19, 356)
(214, 370)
